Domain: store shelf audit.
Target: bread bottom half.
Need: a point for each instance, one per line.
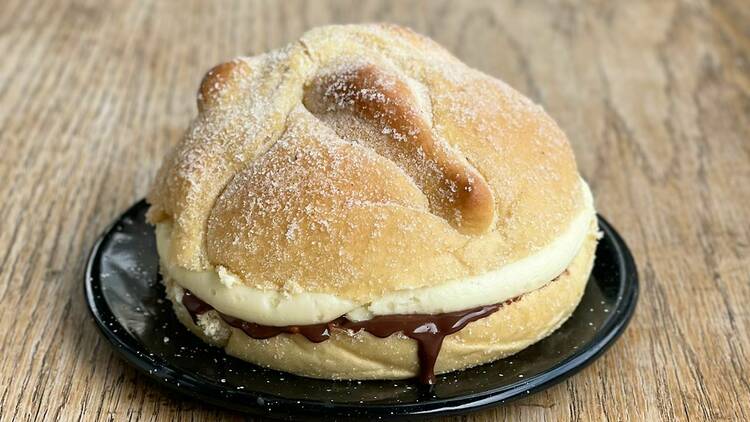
(362, 356)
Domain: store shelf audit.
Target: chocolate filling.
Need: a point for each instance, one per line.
(428, 330)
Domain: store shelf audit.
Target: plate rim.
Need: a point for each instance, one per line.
(254, 402)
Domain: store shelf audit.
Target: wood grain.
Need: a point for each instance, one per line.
(655, 97)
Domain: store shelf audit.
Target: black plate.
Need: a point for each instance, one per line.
(128, 304)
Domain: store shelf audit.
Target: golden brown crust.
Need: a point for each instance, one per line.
(456, 191)
(363, 356)
(222, 83)
(302, 198)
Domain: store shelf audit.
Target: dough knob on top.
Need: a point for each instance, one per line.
(367, 103)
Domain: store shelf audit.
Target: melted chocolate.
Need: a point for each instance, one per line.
(428, 330)
(194, 305)
(316, 333)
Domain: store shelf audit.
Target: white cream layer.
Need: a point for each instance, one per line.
(226, 293)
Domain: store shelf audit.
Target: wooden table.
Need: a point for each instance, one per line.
(655, 97)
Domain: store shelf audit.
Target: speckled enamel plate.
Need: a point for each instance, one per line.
(128, 304)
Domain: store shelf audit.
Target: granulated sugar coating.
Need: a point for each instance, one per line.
(359, 161)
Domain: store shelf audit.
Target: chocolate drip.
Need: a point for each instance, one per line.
(427, 330)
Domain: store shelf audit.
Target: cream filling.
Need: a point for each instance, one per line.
(226, 292)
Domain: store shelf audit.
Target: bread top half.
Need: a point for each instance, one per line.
(362, 160)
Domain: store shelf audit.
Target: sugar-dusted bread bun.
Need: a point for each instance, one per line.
(348, 355)
(364, 171)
